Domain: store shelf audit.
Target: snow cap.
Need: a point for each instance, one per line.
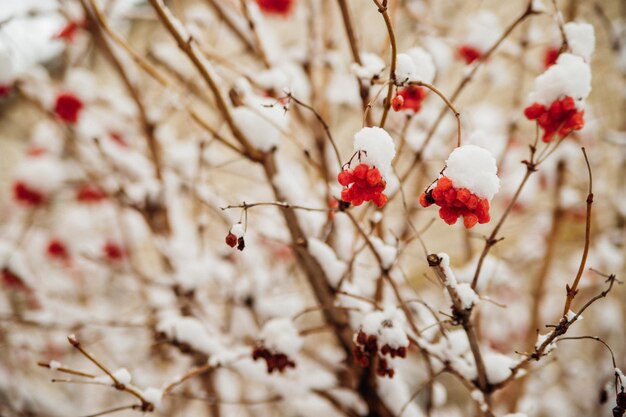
(474, 168)
(377, 147)
(581, 39)
(569, 77)
(415, 65)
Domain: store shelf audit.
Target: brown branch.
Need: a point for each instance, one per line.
(382, 8)
(463, 316)
(573, 290)
(187, 44)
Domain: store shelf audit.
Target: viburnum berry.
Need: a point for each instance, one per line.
(364, 183)
(469, 53)
(231, 240)
(276, 7)
(456, 203)
(409, 98)
(561, 118)
(550, 56)
(57, 250)
(26, 195)
(5, 90)
(90, 194)
(275, 361)
(67, 107)
(379, 337)
(235, 237)
(113, 252)
(465, 191)
(279, 341)
(69, 31)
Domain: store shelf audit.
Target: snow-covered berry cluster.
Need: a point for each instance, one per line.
(409, 98)
(279, 342)
(466, 189)
(558, 99)
(363, 183)
(381, 335)
(561, 118)
(374, 149)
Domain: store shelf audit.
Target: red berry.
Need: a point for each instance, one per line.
(277, 7)
(535, 110)
(397, 103)
(57, 249)
(360, 172)
(345, 177)
(90, 194)
(231, 240)
(550, 57)
(380, 200)
(469, 53)
(374, 177)
(25, 195)
(68, 107)
(68, 32)
(113, 251)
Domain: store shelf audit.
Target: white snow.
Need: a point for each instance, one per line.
(333, 267)
(261, 120)
(371, 66)
(54, 365)
(280, 335)
(497, 366)
(570, 76)
(415, 65)
(153, 395)
(43, 173)
(538, 6)
(237, 229)
(467, 295)
(387, 326)
(483, 30)
(123, 376)
(378, 149)
(581, 39)
(386, 252)
(540, 341)
(474, 168)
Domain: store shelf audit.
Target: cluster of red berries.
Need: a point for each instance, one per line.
(26, 195)
(275, 361)
(562, 117)
(367, 348)
(409, 98)
(456, 202)
(550, 56)
(67, 107)
(364, 183)
(469, 53)
(278, 7)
